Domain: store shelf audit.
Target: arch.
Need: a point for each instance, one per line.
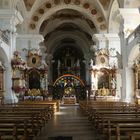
(58, 37)
(79, 23)
(101, 26)
(3, 56)
(134, 52)
(69, 75)
(8, 95)
(53, 10)
(114, 20)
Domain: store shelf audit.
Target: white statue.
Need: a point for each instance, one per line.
(78, 63)
(58, 66)
(113, 83)
(43, 64)
(91, 63)
(119, 57)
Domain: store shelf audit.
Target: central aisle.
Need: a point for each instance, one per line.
(69, 121)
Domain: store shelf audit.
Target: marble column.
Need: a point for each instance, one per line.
(101, 41)
(131, 17)
(126, 72)
(9, 19)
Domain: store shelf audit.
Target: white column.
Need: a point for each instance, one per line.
(92, 79)
(24, 42)
(87, 69)
(131, 18)
(9, 18)
(115, 58)
(128, 85)
(9, 95)
(101, 41)
(114, 49)
(119, 84)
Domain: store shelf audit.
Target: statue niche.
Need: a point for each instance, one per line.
(34, 80)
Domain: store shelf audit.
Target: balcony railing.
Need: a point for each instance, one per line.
(135, 34)
(4, 37)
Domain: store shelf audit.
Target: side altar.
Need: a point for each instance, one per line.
(103, 76)
(29, 76)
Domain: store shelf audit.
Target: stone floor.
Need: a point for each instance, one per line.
(69, 121)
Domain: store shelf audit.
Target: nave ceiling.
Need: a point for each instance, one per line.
(88, 17)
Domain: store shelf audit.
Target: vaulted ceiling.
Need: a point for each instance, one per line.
(72, 19)
(94, 12)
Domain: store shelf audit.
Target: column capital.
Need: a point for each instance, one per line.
(112, 37)
(98, 37)
(9, 19)
(33, 37)
(29, 41)
(131, 17)
(105, 37)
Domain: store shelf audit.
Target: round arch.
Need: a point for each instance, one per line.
(58, 8)
(69, 75)
(8, 95)
(3, 56)
(134, 52)
(79, 23)
(114, 23)
(82, 43)
(100, 26)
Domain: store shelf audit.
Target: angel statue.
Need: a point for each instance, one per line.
(91, 63)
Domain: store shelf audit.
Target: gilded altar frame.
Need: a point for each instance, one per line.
(137, 82)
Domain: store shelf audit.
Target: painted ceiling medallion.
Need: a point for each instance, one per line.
(86, 5)
(48, 5)
(56, 2)
(93, 12)
(67, 1)
(103, 27)
(32, 26)
(77, 2)
(100, 19)
(41, 11)
(35, 18)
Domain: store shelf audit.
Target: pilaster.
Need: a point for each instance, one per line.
(26, 42)
(101, 41)
(131, 18)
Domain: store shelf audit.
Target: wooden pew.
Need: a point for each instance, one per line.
(35, 116)
(134, 135)
(108, 116)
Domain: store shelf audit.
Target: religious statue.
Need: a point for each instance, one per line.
(91, 63)
(119, 57)
(44, 64)
(113, 83)
(58, 65)
(78, 63)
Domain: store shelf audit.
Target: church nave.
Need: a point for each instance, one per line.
(69, 121)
